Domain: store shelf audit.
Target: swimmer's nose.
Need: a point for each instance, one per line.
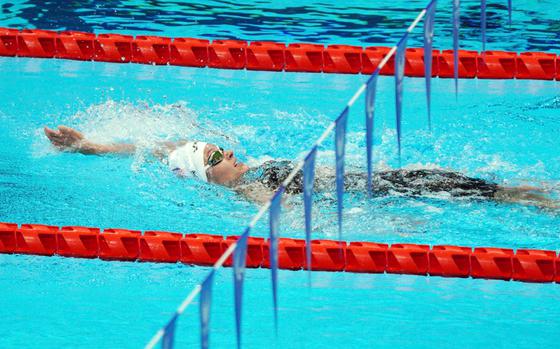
(228, 154)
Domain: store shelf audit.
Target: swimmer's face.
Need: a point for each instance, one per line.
(228, 171)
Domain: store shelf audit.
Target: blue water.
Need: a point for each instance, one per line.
(502, 130)
(505, 131)
(535, 24)
(53, 302)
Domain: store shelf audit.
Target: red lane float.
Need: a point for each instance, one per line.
(558, 68)
(8, 42)
(534, 265)
(263, 55)
(160, 246)
(407, 259)
(36, 239)
(328, 255)
(366, 257)
(371, 58)
(414, 62)
(342, 59)
(119, 244)
(291, 254)
(450, 261)
(536, 65)
(113, 48)
(557, 269)
(304, 58)
(36, 43)
(527, 265)
(8, 237)
(496, 65)
(270, 56)
(492, 263)
(255, 251)
(189, 52)
(151, 50)
(78, 242)
(227, 54)
(75, 45)
(467, 64)
(201, 249)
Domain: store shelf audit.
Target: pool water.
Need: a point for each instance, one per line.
(504, 131)
(54, 302)
(535, 24)
(262, 115)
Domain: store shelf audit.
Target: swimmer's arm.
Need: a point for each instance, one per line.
(255, 192)
(90, 148)
(259, 193)
(69, 139)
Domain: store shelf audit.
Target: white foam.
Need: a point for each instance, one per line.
(141, 123)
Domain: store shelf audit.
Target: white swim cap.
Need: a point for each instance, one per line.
(188, 160)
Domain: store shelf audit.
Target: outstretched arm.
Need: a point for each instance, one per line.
(68, 139)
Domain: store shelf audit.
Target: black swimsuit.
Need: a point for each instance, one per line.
(405, 182)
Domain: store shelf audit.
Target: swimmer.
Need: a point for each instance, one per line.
(209, 163)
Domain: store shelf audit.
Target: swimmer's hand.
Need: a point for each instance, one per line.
(71, 140)
(65, 138)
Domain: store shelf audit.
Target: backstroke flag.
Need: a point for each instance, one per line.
(456, 45)
(205, 302)
(274, 216)
(239, 259)
(483, 24)
(370, 109)
(340, 150)
(428, 42)
(308, 177)
(399, 74)
(169, 333)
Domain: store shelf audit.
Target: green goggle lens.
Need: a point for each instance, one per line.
(216, 157)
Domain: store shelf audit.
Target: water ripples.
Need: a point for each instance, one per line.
(535, 25)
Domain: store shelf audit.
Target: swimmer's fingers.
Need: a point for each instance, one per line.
(71, 136)
(50, 133)
(54, 137)
(64, 138)
(70, 132)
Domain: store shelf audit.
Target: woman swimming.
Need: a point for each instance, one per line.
(209, 163)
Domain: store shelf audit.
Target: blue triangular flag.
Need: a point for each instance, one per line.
(483, 24)
(428, 42)
(399, 75)
(205, 303)
(169, 333)
(370, 109)
(239, 260)
(274, 216)
(308, 177)
(456, 15)
(340, 150)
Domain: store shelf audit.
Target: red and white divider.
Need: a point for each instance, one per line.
(270, 56)
(529, 265)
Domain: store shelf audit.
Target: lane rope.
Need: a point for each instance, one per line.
(271, 56)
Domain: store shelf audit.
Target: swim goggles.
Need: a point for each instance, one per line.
(215, 157)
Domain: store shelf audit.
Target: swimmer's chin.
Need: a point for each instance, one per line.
(243, 168)
(240, 169)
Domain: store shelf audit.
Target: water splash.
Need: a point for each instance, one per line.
(143, 123)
